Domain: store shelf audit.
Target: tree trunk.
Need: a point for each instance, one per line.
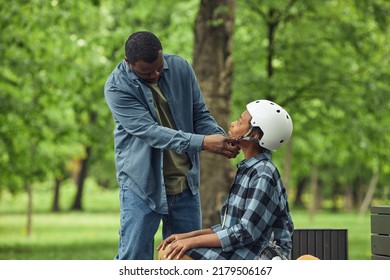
(356, 192)
(271, 28)
(298, 202)
(29, 210)
(77, 204)
(272, 25)
(56, 200)
(348, 197)
(213, 67)
(314, 192)
(369, 194)
(334, 193)
(287, 164)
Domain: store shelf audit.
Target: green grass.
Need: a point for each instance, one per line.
(93, 233)
(59, 236)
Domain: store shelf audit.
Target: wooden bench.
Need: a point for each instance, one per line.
(380, 232)
(325, 244)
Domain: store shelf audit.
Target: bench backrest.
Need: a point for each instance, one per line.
(325, 244)
(380, 232)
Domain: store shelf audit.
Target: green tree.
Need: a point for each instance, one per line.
(326, 62)
(36, 112)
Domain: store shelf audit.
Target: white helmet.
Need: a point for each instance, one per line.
(273, 120)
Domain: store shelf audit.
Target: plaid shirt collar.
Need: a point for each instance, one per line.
(255, 159)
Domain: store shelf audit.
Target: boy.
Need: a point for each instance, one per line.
(255, 221)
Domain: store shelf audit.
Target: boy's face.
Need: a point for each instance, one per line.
(241, 126)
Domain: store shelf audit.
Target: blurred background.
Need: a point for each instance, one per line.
(326, 62)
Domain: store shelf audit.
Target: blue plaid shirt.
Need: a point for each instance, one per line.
(255, 212)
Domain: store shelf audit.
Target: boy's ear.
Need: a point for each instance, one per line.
(256, 134)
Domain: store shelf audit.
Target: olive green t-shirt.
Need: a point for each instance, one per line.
(176, 165)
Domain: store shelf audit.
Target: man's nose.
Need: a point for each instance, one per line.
(155, 74)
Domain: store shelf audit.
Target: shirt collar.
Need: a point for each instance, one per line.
(255, 159)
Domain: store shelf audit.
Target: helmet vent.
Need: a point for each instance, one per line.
(287, 117)
(278, 111)
(281, 141)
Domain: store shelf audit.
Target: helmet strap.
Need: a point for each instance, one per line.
(247, 137)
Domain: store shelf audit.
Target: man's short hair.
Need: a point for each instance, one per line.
(142, 45)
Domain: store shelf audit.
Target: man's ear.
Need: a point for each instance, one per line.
(127, 61)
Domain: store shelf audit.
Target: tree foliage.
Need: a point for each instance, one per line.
(327, 62)
(330, 64)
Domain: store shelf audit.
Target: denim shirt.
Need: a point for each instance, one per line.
(139, 138)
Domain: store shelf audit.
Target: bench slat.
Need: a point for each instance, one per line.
(380, 209)
(380, 245)
(378, 257)
(380, 224)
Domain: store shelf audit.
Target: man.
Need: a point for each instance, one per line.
(162, 123)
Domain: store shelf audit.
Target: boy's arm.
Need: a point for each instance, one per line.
(210, 240)
(176, 237)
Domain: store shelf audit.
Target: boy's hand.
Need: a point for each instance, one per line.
(169, 240)
(178, 248)
(165, 243)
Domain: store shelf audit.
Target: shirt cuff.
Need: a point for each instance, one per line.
(216, 228)
(223, 236)
(196, 143)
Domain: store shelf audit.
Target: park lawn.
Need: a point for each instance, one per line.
(92, 234)
(67, 236)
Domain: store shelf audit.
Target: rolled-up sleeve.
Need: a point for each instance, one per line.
(132, 113)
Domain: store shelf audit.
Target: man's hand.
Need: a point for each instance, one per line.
(222, 145)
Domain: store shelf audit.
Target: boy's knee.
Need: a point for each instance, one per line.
(161, 255)
(307, 257)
